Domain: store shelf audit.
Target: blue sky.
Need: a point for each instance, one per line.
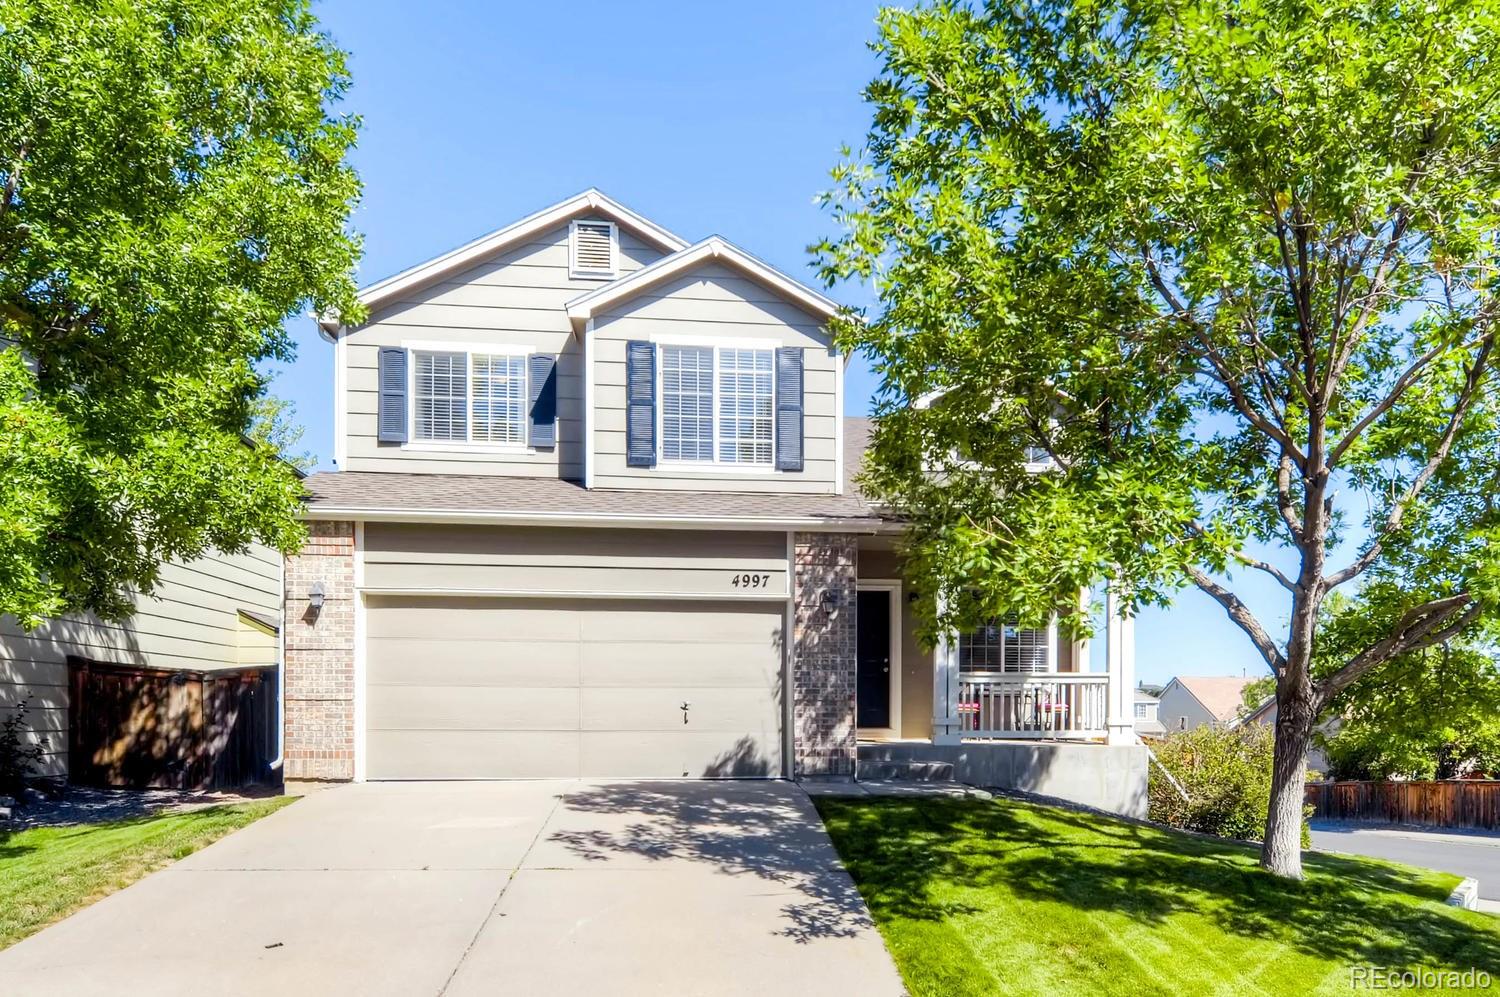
(707, 118)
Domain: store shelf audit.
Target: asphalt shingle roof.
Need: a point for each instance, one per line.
(383, 491)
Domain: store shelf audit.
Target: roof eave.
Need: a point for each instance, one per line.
(713, 249)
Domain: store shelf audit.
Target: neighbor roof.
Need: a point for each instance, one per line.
(1220, 695)
(377, 495)
(468, 255)
(714, 249)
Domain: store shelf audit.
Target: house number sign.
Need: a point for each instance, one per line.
(750, 581)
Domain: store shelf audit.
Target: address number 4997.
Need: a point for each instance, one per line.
(751, 581)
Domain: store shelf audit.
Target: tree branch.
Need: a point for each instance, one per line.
(1439, 454)
(13, 182)
(1242, 617)
(1423, 626)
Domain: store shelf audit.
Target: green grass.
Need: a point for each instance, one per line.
(1002, 897)
(47, 873)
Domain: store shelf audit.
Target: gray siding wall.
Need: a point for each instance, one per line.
(516, 299)
(714, 302)
(192, 622)
(545, 560)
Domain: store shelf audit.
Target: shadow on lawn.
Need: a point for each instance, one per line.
(754, 829)
(905, 853)
(19, 842)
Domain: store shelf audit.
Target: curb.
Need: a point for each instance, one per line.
(1465, 894)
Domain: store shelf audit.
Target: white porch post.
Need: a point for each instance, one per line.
(945, 722)
(1120, 646)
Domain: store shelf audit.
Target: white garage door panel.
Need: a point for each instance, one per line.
(647, 663)
(611, 754)
(473, 754)
(465, 661)
(472, 688)
(428, 707)
(735, 710)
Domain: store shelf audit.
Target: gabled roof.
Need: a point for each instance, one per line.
(1220, 695)
(590, 201)
(713, 249)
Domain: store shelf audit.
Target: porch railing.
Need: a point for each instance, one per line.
(1052, 705)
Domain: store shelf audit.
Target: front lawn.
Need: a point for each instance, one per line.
(47, 873)
(995, 897)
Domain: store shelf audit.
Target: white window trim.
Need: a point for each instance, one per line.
(469, 350)
(716, 465)
(577, 273)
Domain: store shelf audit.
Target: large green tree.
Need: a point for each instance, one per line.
(173, 187)
(1231, 265)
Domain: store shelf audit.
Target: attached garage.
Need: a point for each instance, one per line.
(466, 688)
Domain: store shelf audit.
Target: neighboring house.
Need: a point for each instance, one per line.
(219, 612)
(1147, 723)
(1317, 758)
(594, 516)
(1190, 701)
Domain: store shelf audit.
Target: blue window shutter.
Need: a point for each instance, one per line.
(541, 386)
(391, 420)
(789, 408)
(640, 404)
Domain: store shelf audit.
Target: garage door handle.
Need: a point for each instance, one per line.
(684, 708)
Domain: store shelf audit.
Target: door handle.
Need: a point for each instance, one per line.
(684, 708)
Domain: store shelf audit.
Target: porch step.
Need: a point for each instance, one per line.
(905, 771)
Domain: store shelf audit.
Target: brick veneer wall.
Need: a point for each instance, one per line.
(823, 663)
(319, 664)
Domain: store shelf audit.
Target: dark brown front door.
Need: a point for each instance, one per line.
(873, 654)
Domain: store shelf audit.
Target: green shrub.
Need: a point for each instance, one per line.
(1227, 776)
(19, 755)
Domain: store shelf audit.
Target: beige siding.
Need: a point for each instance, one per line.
(515, 300)
(192, 622)
(407, 557)
(714, 302)
(527, 688)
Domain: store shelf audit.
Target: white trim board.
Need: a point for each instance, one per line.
(894, 587)
(523, 518)
(472, 253)
(713, 249)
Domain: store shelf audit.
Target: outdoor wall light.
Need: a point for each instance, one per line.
(830, 599)
(315, 596)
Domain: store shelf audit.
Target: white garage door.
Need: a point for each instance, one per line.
(463, 688)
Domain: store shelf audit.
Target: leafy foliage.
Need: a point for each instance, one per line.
(1231, 264)
(172, 189)
(1227, 775)
(1428, 714)
(273, 421)
(19, 754)
(1255, 693)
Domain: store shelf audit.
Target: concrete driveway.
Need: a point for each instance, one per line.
(486, 888)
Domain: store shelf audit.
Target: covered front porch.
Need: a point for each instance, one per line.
(997, 683)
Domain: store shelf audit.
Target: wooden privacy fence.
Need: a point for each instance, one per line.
(1445, 803)
(156, 728)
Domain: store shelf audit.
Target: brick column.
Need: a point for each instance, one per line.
(823, 649)
(318, 670)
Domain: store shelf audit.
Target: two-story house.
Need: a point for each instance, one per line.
(593, 516)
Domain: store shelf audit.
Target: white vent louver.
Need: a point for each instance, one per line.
(593, 248)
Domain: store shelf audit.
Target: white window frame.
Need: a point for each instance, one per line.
(1051, 669)
(470, 351)
(716, 465)
(579, 273)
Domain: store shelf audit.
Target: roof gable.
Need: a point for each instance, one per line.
(1220, 695)
(714, 249)
(472, 254)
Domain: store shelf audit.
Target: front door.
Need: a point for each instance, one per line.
(873, 653)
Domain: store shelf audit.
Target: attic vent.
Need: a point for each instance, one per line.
(593, 249)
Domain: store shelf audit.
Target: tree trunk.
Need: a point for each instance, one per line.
(1282, 852)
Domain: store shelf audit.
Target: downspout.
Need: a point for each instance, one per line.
(280, 671)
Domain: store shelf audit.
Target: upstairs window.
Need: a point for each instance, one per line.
(745, 406)
(441, 387)
(687, 403)
(593, 250)
(717, 405)
(468, 398)
(1004, 647)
